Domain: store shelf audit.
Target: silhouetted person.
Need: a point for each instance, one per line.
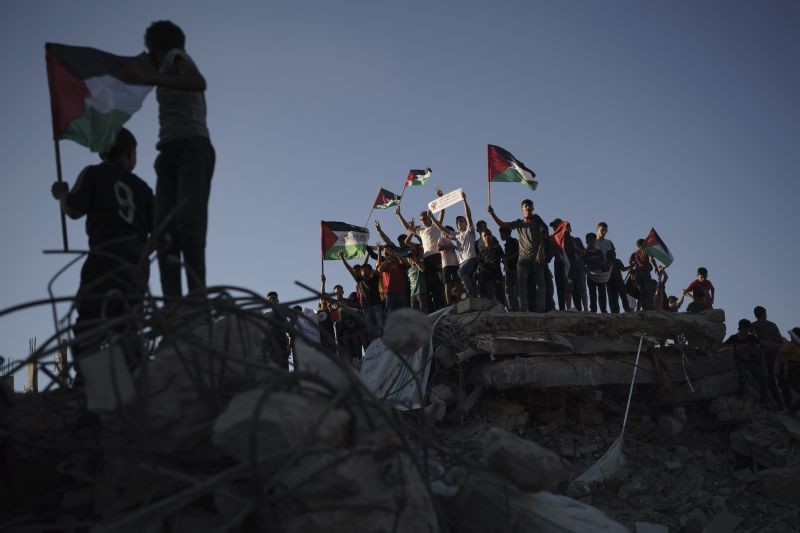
(118, 206)
(185, 163)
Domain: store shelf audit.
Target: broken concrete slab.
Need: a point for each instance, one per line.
(591, 371)
(724, 522)
(529, 466)
(280, 420)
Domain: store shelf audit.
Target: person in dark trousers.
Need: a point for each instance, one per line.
(118, 206)
(616, 285)
(185, 163)
(642, 264)
(595, 264)
(748, 358)
(698, 303)
(490, 259)
(771, 340)
(559, 273)
(510, 256)
(532, 234)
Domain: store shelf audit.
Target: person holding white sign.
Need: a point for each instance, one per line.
(465, 249)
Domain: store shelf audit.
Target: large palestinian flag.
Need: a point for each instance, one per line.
(418, 177)
(505, 167)
(338, 236)
(386, 199)
(88, 98)
(655, 247)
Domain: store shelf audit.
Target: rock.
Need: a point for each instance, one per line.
(472, 305)
(312, 361)
(507, 415)
(406, 331)
(107, 380)
(630, 488)
(486, 503)
(436, 410)
(745, 475)
(529, 466)
(471, 401)
(366, 488)
(724, 522)
(443, 393)
(669, 427)
(673, 465)
(647, 527)
(730, 409)
(284, 420)
(782, 484)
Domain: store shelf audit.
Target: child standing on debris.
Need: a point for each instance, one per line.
(118, 206)
(698, 303)
(616, 285)
(490, 258)
(185, 163)
(703, 283)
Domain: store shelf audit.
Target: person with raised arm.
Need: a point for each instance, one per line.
(531, 234)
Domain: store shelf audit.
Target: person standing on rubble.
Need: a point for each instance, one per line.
(185, 163)
(748, 358)
(118, 206)
(642, 264)
(531, 234)
(771, 340)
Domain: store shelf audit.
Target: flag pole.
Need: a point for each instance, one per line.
(60, 179)
(402, 193)
(490, 193)
(370, 216)
(321, 250)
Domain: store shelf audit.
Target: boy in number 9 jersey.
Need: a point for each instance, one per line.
(118, 206)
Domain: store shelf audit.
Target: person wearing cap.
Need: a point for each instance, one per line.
(748, 358)
(119, 210)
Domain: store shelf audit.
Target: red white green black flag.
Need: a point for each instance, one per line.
(386, 199)
(89, 100)
(418, 177)
(505, 167)
(339, 236)
(655, 247)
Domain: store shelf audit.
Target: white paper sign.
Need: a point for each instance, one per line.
(445, 201)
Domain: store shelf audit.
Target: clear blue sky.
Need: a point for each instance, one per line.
(679, 115)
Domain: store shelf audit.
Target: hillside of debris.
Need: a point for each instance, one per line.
(473, 420)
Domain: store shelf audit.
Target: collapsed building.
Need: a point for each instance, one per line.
(473, 420)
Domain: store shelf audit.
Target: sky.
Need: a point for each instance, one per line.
(682, 116)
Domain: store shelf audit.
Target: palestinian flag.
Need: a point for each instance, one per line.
(560, 234)
(88, 98)
(386, 199)
(340, 237)
(418, 177)
(505, 167)
(655, 247)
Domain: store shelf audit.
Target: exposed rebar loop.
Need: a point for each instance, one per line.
(224, 341)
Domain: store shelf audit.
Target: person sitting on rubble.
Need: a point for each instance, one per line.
(698, 303)
(702, 282)
(119, 210)
(748, 358)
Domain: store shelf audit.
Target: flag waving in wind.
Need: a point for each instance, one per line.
(418, 177)
(655, 247)
(505, 167)
(386, 199)
(340, 237)
(89, 100)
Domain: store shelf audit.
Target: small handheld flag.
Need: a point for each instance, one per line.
(339, 236)
(418, 177)
(386, 199)
(506, 168)
(655, 247)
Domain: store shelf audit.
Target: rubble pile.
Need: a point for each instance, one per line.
(211, 433)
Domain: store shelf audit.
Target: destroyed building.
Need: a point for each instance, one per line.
(471, 420)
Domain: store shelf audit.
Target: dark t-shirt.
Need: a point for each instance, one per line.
(745, 348)
(368, 290)
(511, 250)
(696, 307)
(529, 233)
(490, 257)
(593, 259)
(118, 207)
(768, 333)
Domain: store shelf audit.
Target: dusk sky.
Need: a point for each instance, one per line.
(683, 116)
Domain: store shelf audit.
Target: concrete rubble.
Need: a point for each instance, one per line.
(218, 436)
